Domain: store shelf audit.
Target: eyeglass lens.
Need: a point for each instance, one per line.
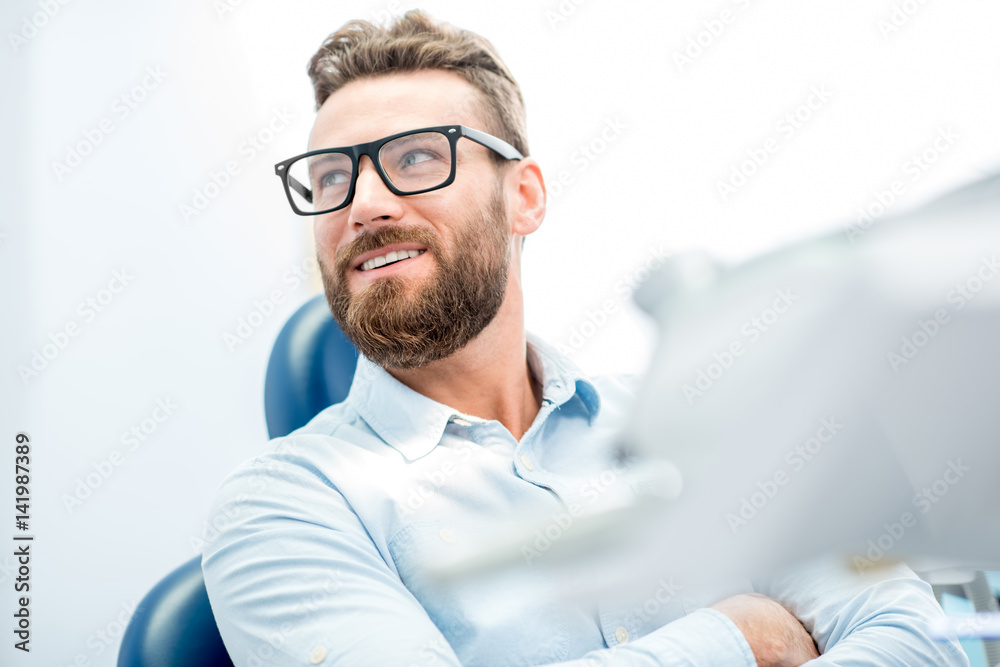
(412, 163)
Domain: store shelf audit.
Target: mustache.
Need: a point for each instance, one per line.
(382, 236)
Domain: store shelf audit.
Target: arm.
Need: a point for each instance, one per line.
(293, 575)
(871, 620)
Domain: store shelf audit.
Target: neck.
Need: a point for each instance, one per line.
(489, 378)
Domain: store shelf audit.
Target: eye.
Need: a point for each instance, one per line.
(333, 178)
(415, 157)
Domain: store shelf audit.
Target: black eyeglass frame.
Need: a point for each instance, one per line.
(372, 148)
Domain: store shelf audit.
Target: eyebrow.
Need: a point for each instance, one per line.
(326, 157)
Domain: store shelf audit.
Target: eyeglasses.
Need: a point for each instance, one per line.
(409, 163)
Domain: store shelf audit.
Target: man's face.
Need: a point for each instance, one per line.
(422, 308)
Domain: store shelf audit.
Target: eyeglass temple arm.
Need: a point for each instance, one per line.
(305, 192)
(491, 142)
(301, 189)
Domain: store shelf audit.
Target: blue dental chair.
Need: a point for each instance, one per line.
(311, 367)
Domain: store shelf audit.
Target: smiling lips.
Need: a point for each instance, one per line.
(389, 258)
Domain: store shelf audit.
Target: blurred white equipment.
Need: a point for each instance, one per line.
(841, 395)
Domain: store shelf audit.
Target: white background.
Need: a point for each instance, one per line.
(685, 127)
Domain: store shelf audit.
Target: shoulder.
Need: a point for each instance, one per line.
(293, 473)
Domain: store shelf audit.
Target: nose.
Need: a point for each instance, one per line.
(373, 202)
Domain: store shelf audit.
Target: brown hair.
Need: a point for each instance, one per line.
(414, 42)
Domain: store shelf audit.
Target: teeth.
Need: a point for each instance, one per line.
(389, 258)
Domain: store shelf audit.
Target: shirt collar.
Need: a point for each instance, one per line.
(560, 378)
(413, 423)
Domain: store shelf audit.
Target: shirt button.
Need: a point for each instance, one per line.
(621, 634)
(527, 462)
(462, 422)
(318, 655)
(447, 535)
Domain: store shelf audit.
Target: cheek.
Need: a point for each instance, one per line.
(328, 233)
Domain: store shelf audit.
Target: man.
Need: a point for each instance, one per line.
(458, 420)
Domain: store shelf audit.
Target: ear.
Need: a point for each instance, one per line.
(525, 181)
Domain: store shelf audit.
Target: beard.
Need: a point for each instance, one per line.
(397, 324)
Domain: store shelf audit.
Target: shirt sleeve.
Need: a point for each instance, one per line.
(875, 619)
(704, 637)
(294, 578)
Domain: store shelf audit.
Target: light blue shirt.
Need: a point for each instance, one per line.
(318, 546)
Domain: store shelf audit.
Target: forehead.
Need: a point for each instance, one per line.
(369, 109)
